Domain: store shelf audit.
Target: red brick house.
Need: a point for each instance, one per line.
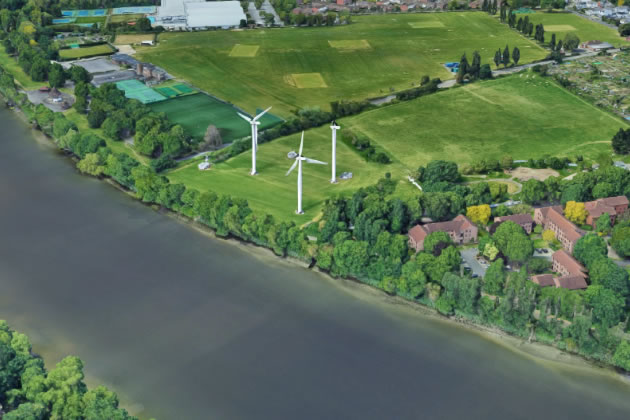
(543, 280)
(614, 206)
(565, 265)
(523, 220)
(551, 218)
(460, 229)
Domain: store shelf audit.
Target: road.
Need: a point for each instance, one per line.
(469, 256)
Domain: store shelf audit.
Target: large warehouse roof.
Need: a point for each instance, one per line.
(214, 13)
(199, 13)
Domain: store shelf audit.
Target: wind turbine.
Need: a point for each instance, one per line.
(254, 123)
(298, 162)
(334, 127)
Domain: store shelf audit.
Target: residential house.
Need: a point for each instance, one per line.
(614, 206)
(523, 220)
(565, 265)
(460, 229)
(551, 218)
(543, 280)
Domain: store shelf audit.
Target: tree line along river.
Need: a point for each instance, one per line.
(184, 326)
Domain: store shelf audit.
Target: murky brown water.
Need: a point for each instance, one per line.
(187, 327)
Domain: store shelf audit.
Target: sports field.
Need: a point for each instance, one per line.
(525, 117)
(290, 68)
(586, 30)
(135, 89)
(76, 53)
(125, 39)
(196, 112)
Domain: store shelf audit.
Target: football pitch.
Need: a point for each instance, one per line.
(291, 68)
(587, 30)
(524, 116)
(197, 111)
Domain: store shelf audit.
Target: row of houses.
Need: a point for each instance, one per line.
(603, 9)
(310, 8)
(570, 274)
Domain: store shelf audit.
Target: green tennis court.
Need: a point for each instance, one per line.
(137, 90)
(183, 88)
(167, 91)
(196, 112)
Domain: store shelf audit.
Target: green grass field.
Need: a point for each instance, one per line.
(563, 23)
(257, 69)
(196, 112)
(525, 117)
(76, 53)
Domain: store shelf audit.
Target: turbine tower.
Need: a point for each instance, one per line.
(298, 162)
(254, 123)
(334, 127)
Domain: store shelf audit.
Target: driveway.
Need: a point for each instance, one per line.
(469, 256)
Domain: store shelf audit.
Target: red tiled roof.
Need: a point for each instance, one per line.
(571, 231)
(619, 200)
(516, 218)
(570, 263)
(570, 282)
(543, 280)
(598, 207)
(461, 222)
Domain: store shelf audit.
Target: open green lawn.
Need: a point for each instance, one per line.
(196, 112)
(291, 68)
(75, 53)
(518, 115)
(523, 115)
(587, 30)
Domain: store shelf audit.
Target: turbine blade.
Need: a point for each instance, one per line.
(308, 160)
(244, 117)
(261, 114)
(301, 144)
(292, 167)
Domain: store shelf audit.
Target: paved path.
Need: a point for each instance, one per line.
(267, 7)
(253, 12)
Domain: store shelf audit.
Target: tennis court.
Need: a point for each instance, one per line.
(137, 90)
(167, 91)
(63, 20)
(84, 13)
(134, 10)
(196, 112)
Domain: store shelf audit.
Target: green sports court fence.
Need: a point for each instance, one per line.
(137, 90)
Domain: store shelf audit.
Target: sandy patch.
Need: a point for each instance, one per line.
(126, 49)
(525, 174)
(240, 50)
(426, 24)
(559, 28)
(308, 80)
(350, 44)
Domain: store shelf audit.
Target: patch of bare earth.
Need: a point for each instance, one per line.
(524, 174)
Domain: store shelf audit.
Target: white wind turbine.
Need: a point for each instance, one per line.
(254, 123)
(334, 127)
(298, 162)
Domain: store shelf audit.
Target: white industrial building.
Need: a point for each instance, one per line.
(199, 14)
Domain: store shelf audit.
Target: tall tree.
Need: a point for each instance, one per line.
(475, 66)
(463, 69)
(552, 43)
(497, 57)
(506, 56)
(516, 55)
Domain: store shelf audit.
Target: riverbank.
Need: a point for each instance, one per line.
(535, 349)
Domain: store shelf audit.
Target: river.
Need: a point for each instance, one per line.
(184, 326)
